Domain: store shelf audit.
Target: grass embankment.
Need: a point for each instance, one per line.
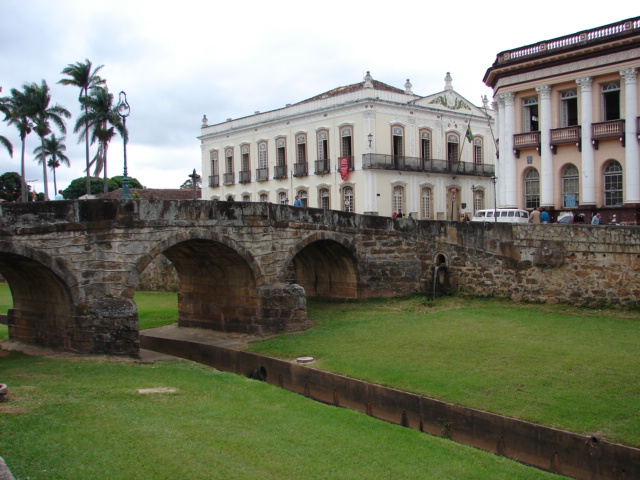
(569, 368)
(83, 419)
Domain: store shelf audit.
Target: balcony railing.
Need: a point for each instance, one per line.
(566, 135)
(606, 130)
(526, 140)
(245, 176)
(214, 180)
(300, 169)
(413, 164)
(351, 163)
(262, 174)
(229, 178)
(280, 171)
(323, 166)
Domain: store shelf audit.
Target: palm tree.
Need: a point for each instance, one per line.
(52, 148)
(81, 75)
(17, 112)
(101, 119)
(43, 114)
(4, 141)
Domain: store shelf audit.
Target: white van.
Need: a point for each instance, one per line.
(510, 215)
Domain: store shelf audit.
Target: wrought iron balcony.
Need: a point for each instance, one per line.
(245, 176)
(262, 174)
(323, 166)
(566, 135)
(280, 171)
(414, 164)
(607, 130)
(214, 180)
(300, 169)
(350, 161)
(229, 178)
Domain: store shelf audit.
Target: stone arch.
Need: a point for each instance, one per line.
(43, 301)
(218, 281)
(325, 264)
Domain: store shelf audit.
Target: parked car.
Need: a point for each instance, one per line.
(570, 217)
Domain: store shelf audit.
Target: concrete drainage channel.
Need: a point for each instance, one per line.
(557, 451)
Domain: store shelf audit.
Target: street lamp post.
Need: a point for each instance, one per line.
(494, 179)
(124, 110)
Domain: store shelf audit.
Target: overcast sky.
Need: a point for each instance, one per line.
(179, 60)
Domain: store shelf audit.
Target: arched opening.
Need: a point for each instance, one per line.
(440, 281)
(326, 269)
(42, 306)
(217, 288)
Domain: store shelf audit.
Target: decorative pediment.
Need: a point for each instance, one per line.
(450, 101)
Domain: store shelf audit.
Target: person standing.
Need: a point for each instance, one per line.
(535, 216)
(544, 216)
(59, 196)
(297, 202)
(596, 219)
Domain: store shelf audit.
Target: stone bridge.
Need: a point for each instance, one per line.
(73, 266)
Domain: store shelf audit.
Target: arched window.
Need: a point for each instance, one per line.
(613, 183)
(324, 202)
(303, 196)
(426, 203)
(570, 186)
(425, 144)
(262, 172)
(532, 188)
(245, 167)
(478, 200)
(398, 199)
(214, 179)
(264, 197)
(283, 198)
(453, 147)
(246, 198)
(477, 151)
(348, 200)
(397, 136)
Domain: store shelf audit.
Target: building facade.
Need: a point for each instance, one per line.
(367, 148)
(567, 123)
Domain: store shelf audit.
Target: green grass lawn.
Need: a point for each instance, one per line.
(83, 419)
(155, 309)
(568, 368)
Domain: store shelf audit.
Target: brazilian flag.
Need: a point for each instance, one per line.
(469, 135)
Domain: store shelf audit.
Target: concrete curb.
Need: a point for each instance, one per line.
(5, 474)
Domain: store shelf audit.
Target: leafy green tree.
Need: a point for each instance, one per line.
(53, 149)
(188, 184)
(116, 183)
(17, 113)
(10, 186)
(43, 115)
(84, 76)
(102, 120)
(77, 188)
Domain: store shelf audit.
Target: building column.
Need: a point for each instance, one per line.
(632, 161)
(546, 155)
(508, 182)
(587, 179)
(498, 107)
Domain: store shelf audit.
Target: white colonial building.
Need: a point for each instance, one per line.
(367, 148)
(568, 125)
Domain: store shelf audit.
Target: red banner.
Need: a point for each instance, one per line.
(344, 168)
